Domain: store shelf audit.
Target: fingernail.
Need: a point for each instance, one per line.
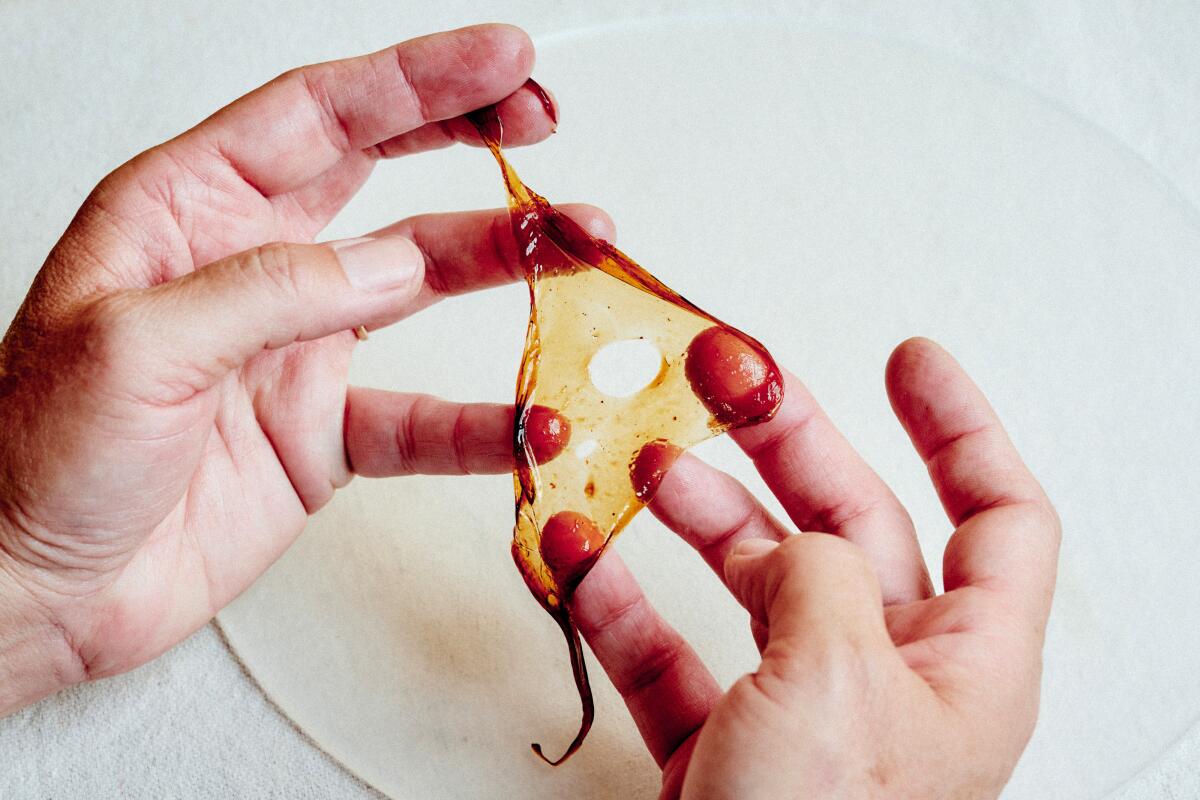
(753, 547)
(378, 265)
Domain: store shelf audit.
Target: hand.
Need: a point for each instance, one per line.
(173, 391)
(870, 686)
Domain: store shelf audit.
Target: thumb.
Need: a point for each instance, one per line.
(808, 589)
(212, 320)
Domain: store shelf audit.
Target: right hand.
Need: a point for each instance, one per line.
(870, 686)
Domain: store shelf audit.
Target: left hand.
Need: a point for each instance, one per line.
(173, 398)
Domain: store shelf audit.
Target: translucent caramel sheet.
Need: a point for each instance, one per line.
(585, 295)
(574, 317)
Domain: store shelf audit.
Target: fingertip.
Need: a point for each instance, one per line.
(545, 99)
(733, 376)
(918, 342)
(752, 548)
(546, 431)
(455, 71)
(650, 466)
(746, 555)
(515, 42)
(501, 50)
(910, 369)
(906, 355)
(742, 570)
(502, 45)
(524, 116)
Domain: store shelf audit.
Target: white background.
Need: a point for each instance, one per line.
(72, 93)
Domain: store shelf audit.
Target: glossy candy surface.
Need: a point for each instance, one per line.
(612, 450)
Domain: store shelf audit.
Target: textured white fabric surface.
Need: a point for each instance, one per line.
(192, 724)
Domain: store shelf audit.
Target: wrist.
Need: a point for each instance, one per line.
(36, 655)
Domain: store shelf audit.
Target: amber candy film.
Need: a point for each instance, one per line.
(585, 294)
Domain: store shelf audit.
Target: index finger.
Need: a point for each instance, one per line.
(1007, 533)
(284, 134)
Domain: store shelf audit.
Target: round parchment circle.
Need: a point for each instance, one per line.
(832, 196)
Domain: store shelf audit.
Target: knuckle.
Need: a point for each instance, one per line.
(276, 267)
(291, 75)
(766, 696)
(791, 560)
(304, 76)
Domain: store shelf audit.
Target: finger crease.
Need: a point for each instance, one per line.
(406, 447)
(651, 668)
(614, 616)
(434, 277)
(406, 79)
(377, 151)
(331, 119)
(501, 235)
(834, 517)
(981, 506)
(776, 440)
(993, 503)
(457, 445)
(239, 171)
(949, 442)
(731, 533)
(347, 453)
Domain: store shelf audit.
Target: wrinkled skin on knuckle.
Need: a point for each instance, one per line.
(276, 263)
(291, 276)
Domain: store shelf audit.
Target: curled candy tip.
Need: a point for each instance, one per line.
(537, 750)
